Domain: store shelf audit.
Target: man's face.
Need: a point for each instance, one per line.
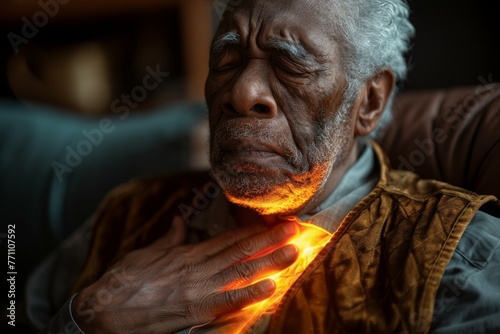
(274, 93)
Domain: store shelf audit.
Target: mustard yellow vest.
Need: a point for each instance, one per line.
(379, 273)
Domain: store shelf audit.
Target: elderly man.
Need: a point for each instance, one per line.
(294, 89)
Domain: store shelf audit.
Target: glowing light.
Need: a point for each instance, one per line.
(310, 241)
(283, 198)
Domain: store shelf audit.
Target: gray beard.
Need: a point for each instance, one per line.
(286, 190)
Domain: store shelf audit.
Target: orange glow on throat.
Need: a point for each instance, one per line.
(310, 241)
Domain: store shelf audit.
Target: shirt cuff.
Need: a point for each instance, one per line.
(63, 322)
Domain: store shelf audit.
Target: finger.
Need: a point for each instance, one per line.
(227, 239)
(255, 246)
(274, 220)
(246, 272)
(175, 236)
(234, 300)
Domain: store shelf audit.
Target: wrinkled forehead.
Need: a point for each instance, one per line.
(257, 20)
(271, 7)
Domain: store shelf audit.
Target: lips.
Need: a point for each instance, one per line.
(250, 147)
(250, 155)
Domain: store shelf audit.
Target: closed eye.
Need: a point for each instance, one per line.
(290, 68)
(225, 60)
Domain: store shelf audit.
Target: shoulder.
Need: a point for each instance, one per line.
(468, 298)
(134, 215)
(140, 203)
(410, 185)
(481, 241)
(143, 190)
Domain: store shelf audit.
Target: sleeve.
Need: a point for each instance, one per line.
(49, 285)
(63, 322)
(468, 298)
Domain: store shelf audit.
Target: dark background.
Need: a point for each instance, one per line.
(456, 42)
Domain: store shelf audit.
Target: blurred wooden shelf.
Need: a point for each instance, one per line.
(13, 10)
(195, 21)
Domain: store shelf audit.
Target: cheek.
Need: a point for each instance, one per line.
(211, 88)
(303, 131)
(303, 105)
(310, 123)
(213, 96)
(299, 111)
(216, 84)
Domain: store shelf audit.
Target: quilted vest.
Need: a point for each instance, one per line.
(378, 274)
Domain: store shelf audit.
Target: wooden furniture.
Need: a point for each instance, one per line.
(195, 22)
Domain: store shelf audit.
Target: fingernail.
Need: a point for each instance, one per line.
(290, 250)
(268, 285)
(289, 219)
(290, 228)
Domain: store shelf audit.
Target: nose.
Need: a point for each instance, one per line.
(251, 94)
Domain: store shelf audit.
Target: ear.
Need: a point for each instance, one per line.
(374, 97)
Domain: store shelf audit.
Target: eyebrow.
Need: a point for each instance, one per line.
(233, 38)
(229, 38)
(292, 49)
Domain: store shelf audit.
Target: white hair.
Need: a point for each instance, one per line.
(373, 34)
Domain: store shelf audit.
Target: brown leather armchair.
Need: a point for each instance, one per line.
(451, 135)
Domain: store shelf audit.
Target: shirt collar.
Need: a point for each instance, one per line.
(359, 180)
